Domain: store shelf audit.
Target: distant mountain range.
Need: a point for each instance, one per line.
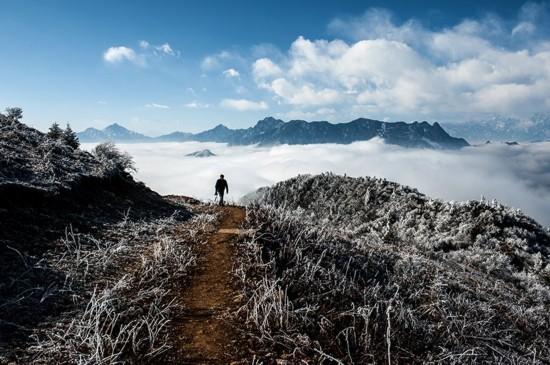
(271, 131)
(114, 132)
(536, 128)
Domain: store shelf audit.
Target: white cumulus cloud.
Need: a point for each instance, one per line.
(120, 54)
(305, 94)
(231, 72)
(407, 71)
(243, 104)
(146, 51)
(264, 68)
(196, 105)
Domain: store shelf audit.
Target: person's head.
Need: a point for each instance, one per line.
(221, 176)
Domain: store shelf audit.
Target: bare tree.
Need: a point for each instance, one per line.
(14, 113)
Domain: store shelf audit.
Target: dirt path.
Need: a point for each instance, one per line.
(205, 337)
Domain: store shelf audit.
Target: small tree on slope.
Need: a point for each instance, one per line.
(112, 160)
(14, 113)
(70, 138)
(55, 131)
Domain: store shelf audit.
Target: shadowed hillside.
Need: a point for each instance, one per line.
(72, 224)
(45, 183)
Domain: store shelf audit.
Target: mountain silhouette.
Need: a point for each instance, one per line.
(272, 131)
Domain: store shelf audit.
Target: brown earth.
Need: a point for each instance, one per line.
(204, 334)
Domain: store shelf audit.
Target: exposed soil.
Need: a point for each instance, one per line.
(204, 335)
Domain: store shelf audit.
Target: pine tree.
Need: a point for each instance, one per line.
(70, 138)
(55, 131)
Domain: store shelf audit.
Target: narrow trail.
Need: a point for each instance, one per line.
(204, 336)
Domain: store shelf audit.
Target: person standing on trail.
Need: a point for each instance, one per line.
(221, 188)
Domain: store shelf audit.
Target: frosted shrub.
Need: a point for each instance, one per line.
(112, 160)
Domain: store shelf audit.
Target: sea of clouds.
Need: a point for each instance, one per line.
(518, 176)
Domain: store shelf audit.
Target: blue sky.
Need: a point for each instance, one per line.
(161, 66)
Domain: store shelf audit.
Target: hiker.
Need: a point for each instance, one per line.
(221, 188)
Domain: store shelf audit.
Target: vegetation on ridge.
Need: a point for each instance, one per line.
(363, 270)
(88, 256)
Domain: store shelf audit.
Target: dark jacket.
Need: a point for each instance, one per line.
(221, 185)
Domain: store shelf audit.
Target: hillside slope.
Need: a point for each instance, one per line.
(358, 270)
(44, 182)
(82, 245)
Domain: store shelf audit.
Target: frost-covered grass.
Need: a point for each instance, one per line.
(122, 287)
(102, 290)
(350, 270)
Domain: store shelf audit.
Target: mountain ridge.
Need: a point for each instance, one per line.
(113, 132)
(501, 129)
(272, 131)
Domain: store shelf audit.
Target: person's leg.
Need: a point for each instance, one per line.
(221, 199)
